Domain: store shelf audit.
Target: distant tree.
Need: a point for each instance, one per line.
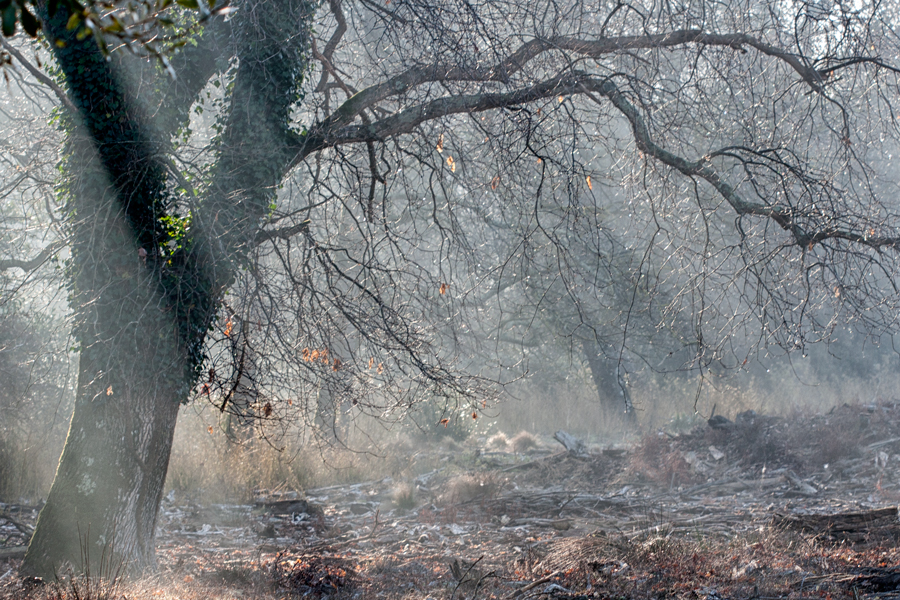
(350, 179)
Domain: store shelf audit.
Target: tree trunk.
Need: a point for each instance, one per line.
(133, 372)
(105, 498)
(142, 305)
(609, 379)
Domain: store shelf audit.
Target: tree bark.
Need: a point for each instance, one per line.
(142, 309)
(609, 380)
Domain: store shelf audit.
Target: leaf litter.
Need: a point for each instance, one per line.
(752, 507)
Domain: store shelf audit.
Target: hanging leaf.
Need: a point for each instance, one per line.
(495, 182)
(337, 364)
(440, 144)
(209, 429)
(445, 422)
(590, 187)
(371, 362)
(452, 164)
(228, 327)
(474, 415)
(444, 288)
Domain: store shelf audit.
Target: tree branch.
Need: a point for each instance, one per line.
(785, 217)
(598, 48)
(39, 75)
(284, 233)
(325, 135)
(34, 263)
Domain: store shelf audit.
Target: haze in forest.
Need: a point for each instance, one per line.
(322, 238)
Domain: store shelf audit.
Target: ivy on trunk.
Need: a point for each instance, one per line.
(145, 292)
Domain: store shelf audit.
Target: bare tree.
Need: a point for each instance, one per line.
(747, 149)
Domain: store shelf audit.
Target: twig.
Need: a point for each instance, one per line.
(531, 586)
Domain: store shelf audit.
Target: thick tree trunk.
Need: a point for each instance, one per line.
(141, 308)
(104, 501)
(133, 372)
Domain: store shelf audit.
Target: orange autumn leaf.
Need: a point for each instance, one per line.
(444, 288)
(474, 415)
(590, 187)
(444, 422)
(452, 164)
(440, 143)
(495, 182)
(380, 368)
(336, 365)
(371, 362)
(228, 327)
(209, 429)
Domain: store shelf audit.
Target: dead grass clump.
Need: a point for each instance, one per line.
(497, 442)
(655, 459)
(523, 442)
(404, 496)
(469, 487)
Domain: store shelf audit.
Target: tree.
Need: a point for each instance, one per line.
(750, 144)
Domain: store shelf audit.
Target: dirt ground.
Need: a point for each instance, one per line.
(751, 507)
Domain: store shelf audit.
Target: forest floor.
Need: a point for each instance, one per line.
(756, 508)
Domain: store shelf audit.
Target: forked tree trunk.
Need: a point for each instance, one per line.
(142, 307)
(102, 509)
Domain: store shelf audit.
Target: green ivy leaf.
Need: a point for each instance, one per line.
(73, 22)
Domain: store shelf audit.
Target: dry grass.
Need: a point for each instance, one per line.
(497, 442)
(404, 496)
(469, 487)
(523, 442)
